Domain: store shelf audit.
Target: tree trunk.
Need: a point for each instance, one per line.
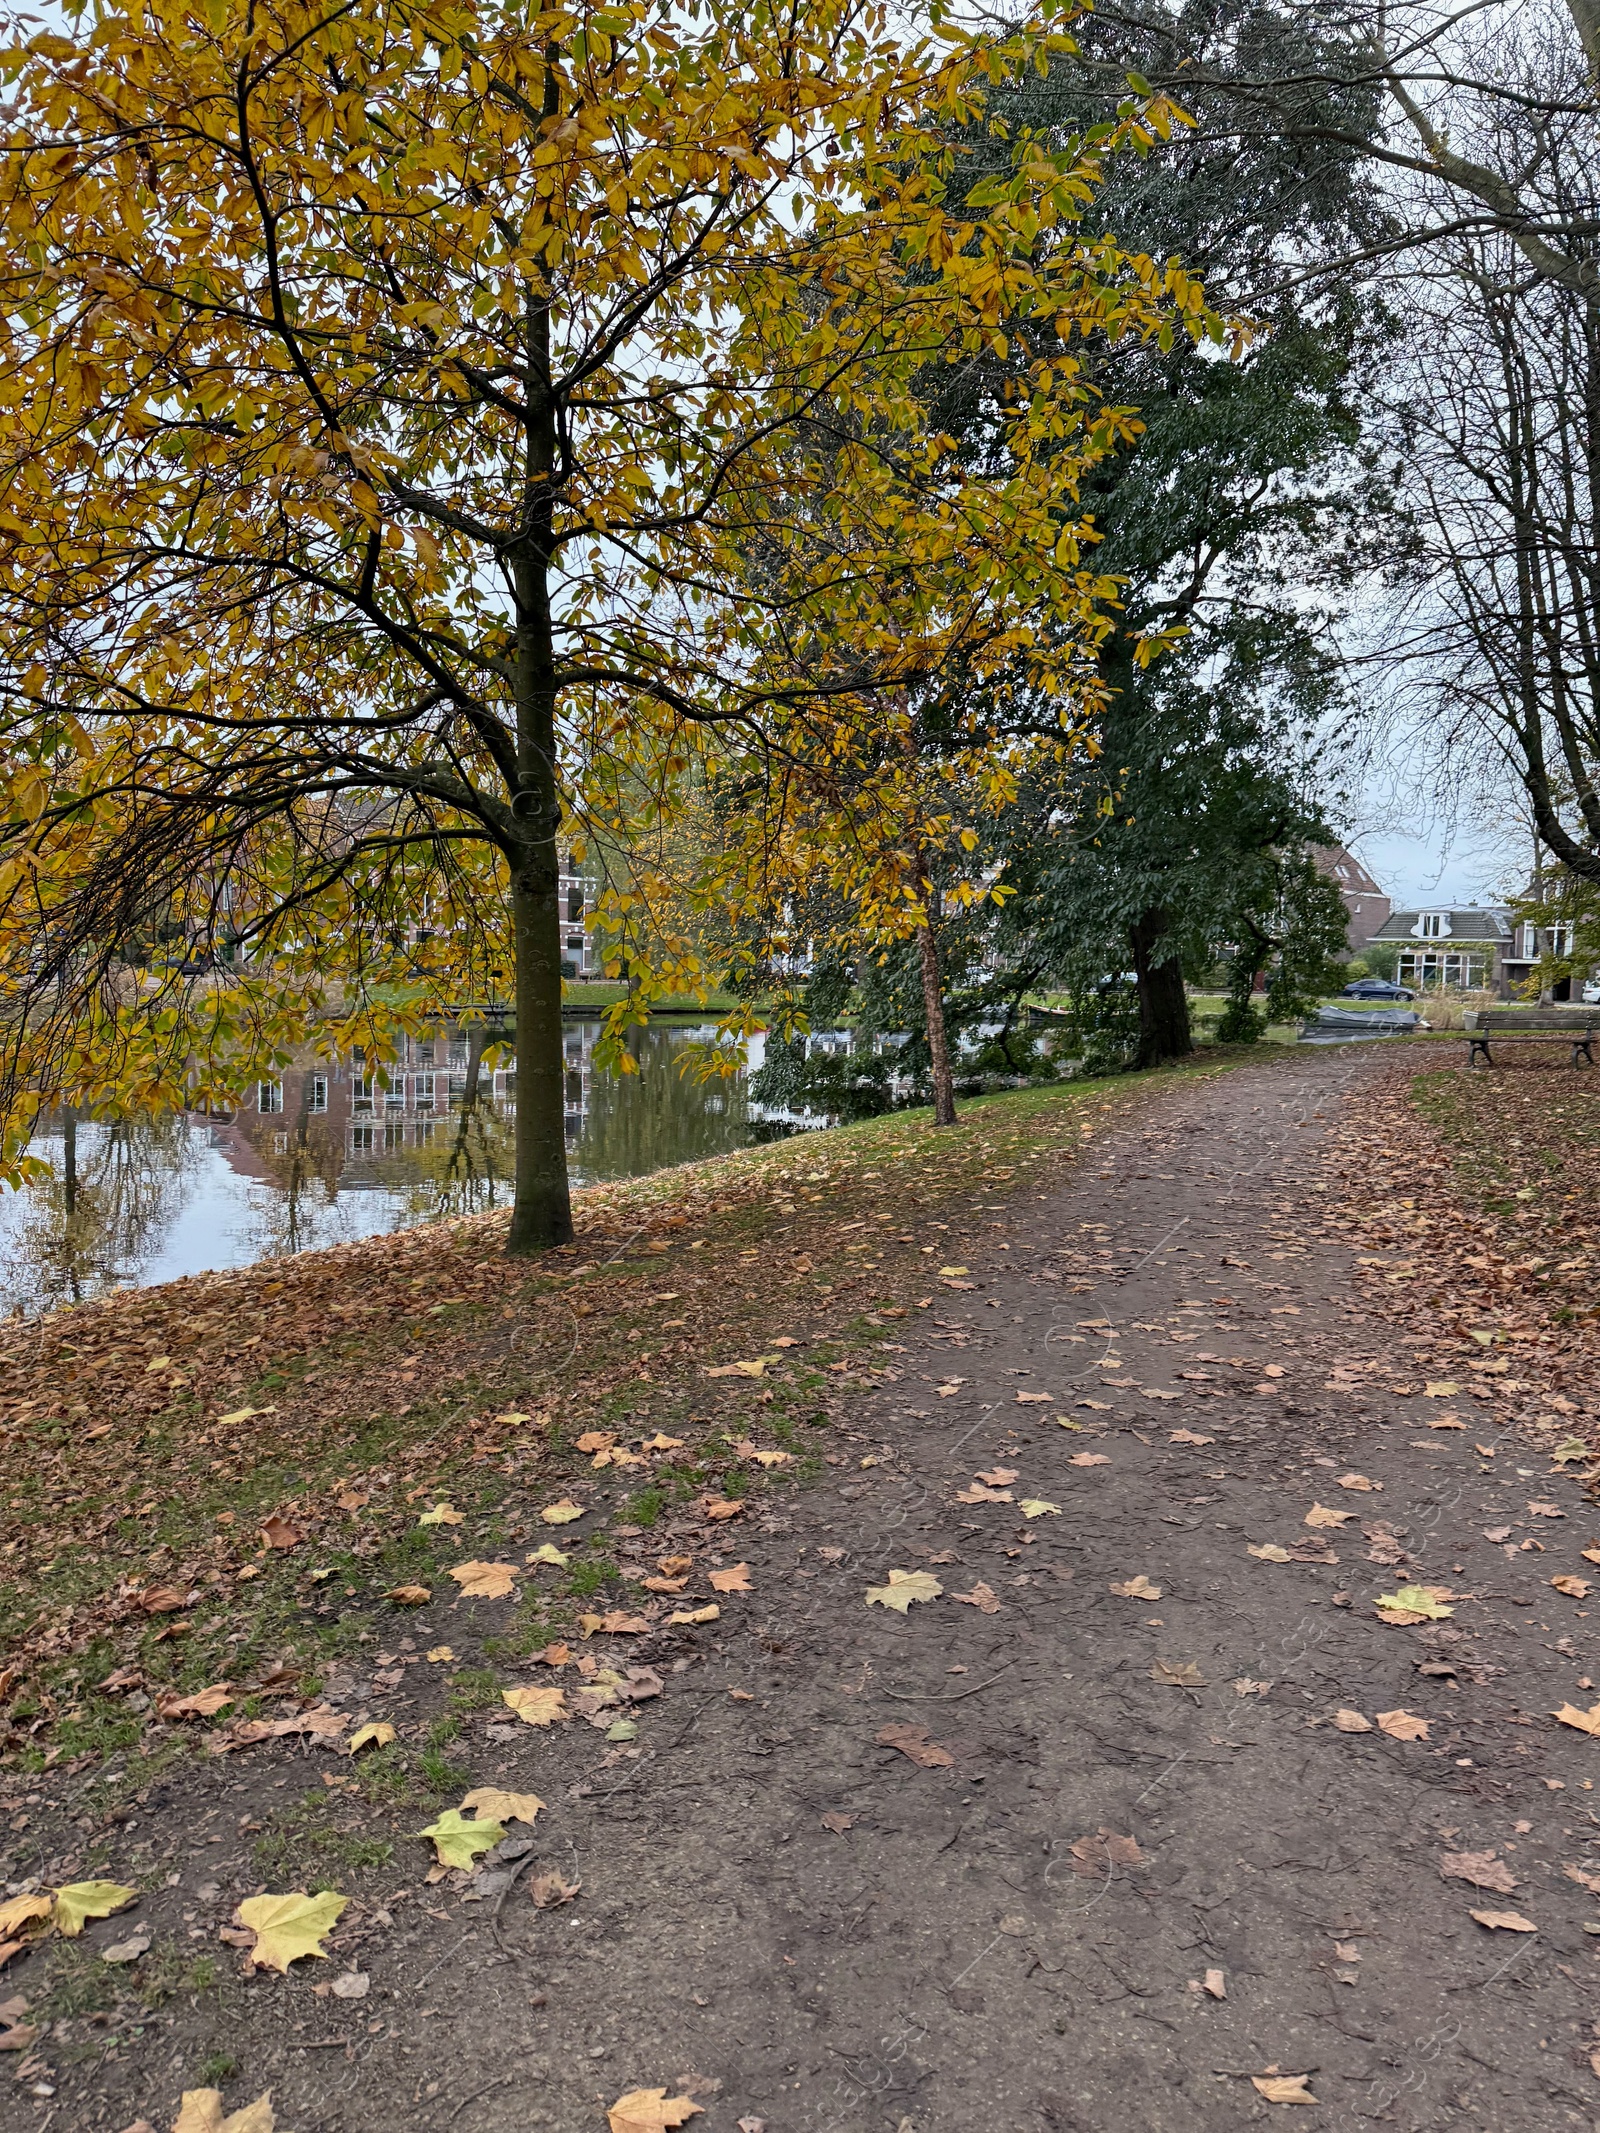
(944, 1095)
(541, 1212)
(1163, 1004)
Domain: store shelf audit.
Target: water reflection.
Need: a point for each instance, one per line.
(334, 1151)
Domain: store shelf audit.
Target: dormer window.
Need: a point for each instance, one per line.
(1431, 927)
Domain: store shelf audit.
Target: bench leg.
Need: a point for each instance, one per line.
(1581, 1051)
(1479, 1052)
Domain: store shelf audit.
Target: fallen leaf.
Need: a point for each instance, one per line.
(755, 1368)
(1270, 1552)
(617, 1622)
(913, 1742)
(1282, 2088)
(1320, 1515)
(1402, 1725)
(1100, 1407)
(1571, 1452)
(409, 1595)
(485, 1581)
(1105, 1849)
(1039, 1507)
(549, 1890)
(1359, 1481)
(1175, 1674)
(1137, 1588)
(205, 1703)
(162, 1600)
(1569, 1715)
(903, 1587)
(548, 1552)
(1412, 1603)
(442, 1514)
(23, 1911)
(537, 1707)
(1505, 1921)
(951, 1273)
(440, 1655)
(200, 2111)
(1151, 1392)
(1351, 1722)
(1482, 1869)
(838, 1823)
(690, 1617)
(1216, 1984)
(736, 1578)
(129, 1950)
(373, 1735)
(1189, 1436)
(670, 1585)
(1574, 1588)
(278, 1533)
(1035, 1399)
(718, 1508)
(1089, 1459)
(288, 1927)
(976, 1493)
(1449, 1421)
(562, 1513)
(1496, 1533)
(998, 1477)
(1545, 1510)
(80, 1901)
(981, 1597)
(458, 1841)
(351, 1985)
(596, 1440)
(650, 2110)
(674, 1566)
(1440, 1389)
(502, 1806)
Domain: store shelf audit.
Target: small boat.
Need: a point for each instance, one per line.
(1335, 1025)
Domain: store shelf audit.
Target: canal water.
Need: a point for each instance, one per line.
(329, 1154)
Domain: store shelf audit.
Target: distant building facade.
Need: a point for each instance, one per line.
(1481, 948)
(1366, 903)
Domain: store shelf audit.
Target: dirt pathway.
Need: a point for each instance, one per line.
(1107, 1808)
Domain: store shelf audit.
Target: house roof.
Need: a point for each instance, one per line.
(1342, 866)
(1489, 926)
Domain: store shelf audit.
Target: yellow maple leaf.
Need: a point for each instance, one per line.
(23, 1911)
(442, 1514)
(1039, 1507)
(80, 1901)
(903, 1587)
(486, 1581)
(690, 1617)
(1412, 1603)
(562, 1513)
(289, 1927)
(502, 1806)
(458, 1841)
(537, 1707)
(548, 1552)
(201, 2111)
(409, 1595)
(650, 2111)
(375, 1735)
(1139, 1588)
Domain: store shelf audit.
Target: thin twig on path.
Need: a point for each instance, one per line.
(911, 1695)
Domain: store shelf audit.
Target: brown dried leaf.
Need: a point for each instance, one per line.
(912, 1741)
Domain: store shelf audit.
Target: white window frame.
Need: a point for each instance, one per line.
(269, 1098)
(317, 1092)
(1430, 925)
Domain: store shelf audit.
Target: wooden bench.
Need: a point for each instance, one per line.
(1533, 1028)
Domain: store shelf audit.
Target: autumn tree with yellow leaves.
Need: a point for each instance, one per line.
(430, 427)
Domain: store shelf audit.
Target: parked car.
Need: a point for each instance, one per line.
(1591, 992)
(1376, 989)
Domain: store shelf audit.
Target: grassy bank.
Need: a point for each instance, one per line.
(235, 1479)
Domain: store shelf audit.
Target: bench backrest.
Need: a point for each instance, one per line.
(1510, 1021)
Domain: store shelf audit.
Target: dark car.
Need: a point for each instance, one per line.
(1376, 989)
